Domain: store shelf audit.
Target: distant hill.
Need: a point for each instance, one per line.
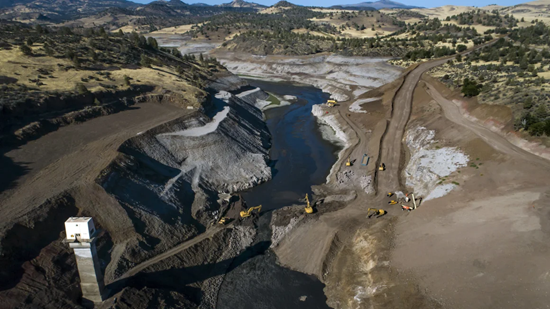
(382, 4)
(242, 4)
(284, 4)
(83, 6)
(64, 10)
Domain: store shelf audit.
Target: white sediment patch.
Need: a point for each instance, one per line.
(428, 164)
(333, 74)
(223, 95)
(207, 128)
(245, 93)
(440, 191)
(356, 106)
(330, 120)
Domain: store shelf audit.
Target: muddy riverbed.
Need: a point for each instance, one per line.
(301, 157)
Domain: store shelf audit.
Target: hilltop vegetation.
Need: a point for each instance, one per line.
(226, 24)
(513, 72)
(45, 70)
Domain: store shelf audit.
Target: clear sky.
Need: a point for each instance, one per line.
(423, 3)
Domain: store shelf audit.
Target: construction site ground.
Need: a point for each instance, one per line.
(481, 246)
(484, 245)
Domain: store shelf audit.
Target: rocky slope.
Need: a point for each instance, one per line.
(160, 190)
(343, 77)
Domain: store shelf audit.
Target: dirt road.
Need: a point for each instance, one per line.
(391, 146)
(497, 141)
(175, 250)
(74, 155)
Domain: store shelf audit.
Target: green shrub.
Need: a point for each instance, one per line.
(470, 88)
(537, 129)
(27, 51)
(81, 89)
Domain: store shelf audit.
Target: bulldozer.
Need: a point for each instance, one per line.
(224, 220)
(309, 209)
(389, 194)
(382, 167)
(392, 202)
(247, 213)
(349, 162)
(371, 212)
(331, 103)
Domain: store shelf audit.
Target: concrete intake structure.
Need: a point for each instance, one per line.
(81, 237)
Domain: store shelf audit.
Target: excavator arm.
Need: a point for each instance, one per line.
(248, 212)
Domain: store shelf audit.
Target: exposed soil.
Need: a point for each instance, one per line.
(461, 250)
(481, 245)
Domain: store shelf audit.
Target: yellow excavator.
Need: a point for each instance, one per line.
(349, 162)
(223, 220)
(382, 167)
(331, 103)
(392, 202)
(309, 209)
(390, 194)
(247, 213)
(376, 212)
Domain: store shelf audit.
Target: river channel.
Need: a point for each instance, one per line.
(301, 157)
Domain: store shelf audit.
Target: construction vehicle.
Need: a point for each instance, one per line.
(309, 209)
(376, 212)
(247, 213)
(365, 160)
(224, 220)
(382, 167)
(409, 208)
(389, 194)
(392, 202)
(331, 103)
(349, 162)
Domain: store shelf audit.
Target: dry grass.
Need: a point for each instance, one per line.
(443, 11)
(384, 29)
(181, 29)
(530, 11)
(272, 10)
(14, 64)
(303, 31)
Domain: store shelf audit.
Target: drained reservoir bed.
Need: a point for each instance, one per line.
(300, 158)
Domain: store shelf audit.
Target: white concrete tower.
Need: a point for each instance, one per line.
(81, 234)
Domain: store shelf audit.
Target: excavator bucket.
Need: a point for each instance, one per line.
(348, 163)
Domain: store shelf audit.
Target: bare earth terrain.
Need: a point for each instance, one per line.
(480, 246)
(74, 155)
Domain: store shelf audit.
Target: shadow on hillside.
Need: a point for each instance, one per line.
(10, 172)
(177, 280)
